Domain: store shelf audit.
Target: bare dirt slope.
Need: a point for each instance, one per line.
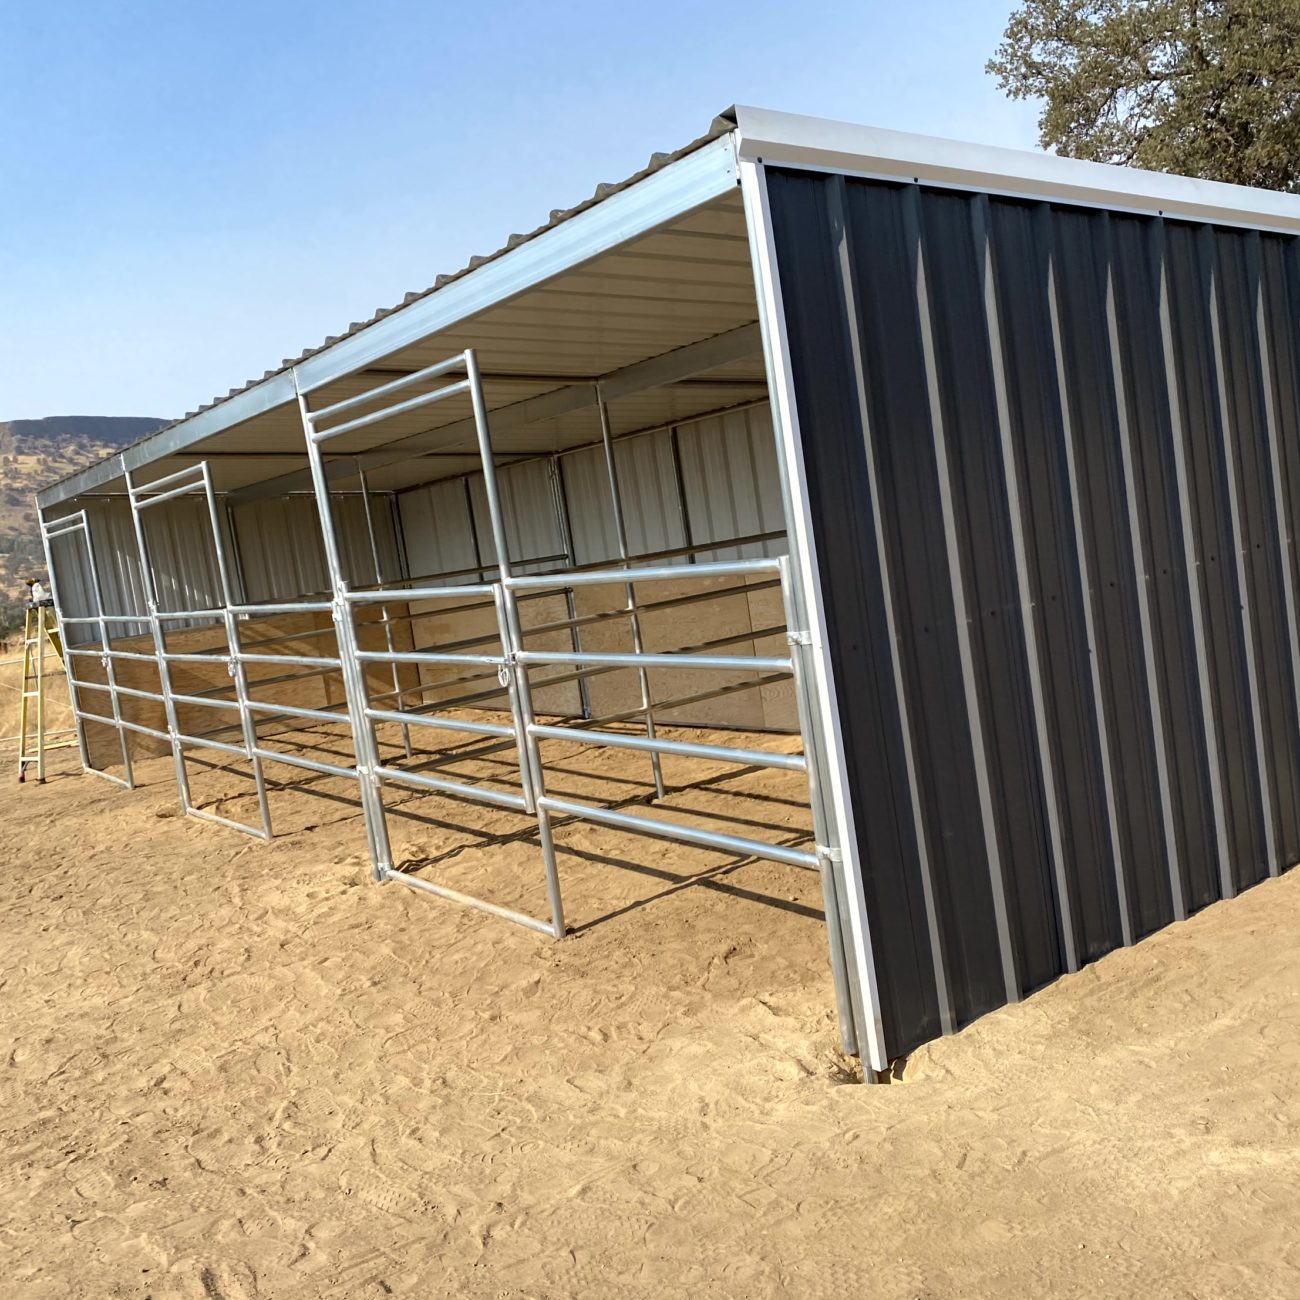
(233, 1071)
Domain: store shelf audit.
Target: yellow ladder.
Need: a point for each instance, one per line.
(40, 630)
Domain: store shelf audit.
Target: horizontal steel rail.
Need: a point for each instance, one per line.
(141, 489)
(398, 408)
(482, 794)
(206, 742)
(439, 722)
(398, 595)
(305, 661)
(108, 618)
(140, 727)
(294, 711)
(206, 816)
(426, 657)
(283, 607)
(676, 831)
(140, 501)
(478, 904)
(681, 748)
(678, 660)
(182, 615)
(630, 573)
(433, 371)
(208, 702)
(309, 764)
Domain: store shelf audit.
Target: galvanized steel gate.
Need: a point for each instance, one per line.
(509, 660)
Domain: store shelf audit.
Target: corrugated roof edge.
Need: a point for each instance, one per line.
(723, 123)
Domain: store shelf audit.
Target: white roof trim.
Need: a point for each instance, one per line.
(812, 142)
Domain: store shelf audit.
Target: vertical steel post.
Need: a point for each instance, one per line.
(383, 609)
(800, 643)
(110, 672)
(530, 760)
(354, 684)
(629, 591)
(150, 588)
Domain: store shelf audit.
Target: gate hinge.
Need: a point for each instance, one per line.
(828, 854)
(799, 638)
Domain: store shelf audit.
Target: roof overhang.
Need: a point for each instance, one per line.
(618, 216)
(789, 139)
(654, 267)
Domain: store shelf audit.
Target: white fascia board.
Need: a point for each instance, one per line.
(704, 174)
(816, 143)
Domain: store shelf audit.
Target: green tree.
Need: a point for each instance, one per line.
(1207, 88)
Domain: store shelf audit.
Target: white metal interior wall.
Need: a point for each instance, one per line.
(731, 482)
(653, 507)
(279, 545)
(709, 480)
(179, 534)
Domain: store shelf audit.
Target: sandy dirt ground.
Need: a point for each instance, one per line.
(232, 1071)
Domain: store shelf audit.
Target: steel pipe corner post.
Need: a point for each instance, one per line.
(363, 735)
(825, 742)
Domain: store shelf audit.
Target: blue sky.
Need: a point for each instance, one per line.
(191, 191)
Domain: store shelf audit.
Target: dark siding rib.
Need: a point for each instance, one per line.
(1189, 269)
(1021, 261)
(1079, 259)
(1136, 279)
(836, 452)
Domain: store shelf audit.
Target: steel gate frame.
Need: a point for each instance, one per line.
(197, 478)
(73, 525)
(322, 424)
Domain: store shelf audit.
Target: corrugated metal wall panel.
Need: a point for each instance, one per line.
(438, 532)
(731, 482)
(280, 550)
(653, 510)
(1052, 457)
(532, 522)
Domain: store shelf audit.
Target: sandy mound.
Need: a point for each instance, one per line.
(234, 1071)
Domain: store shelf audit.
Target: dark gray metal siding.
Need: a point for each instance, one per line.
(1053, 456)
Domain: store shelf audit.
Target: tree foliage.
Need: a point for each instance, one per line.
(1207, 88)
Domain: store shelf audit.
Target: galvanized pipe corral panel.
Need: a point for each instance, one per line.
(1053, 461)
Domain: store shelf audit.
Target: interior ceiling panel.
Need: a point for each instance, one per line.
(677, 285)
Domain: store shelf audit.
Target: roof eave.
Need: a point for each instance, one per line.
(651, 200)
(794, 140)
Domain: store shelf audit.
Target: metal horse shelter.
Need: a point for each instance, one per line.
(1026, 431)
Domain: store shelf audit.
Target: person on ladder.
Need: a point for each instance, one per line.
(41, 628)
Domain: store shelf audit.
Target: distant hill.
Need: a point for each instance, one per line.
(32, 454)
